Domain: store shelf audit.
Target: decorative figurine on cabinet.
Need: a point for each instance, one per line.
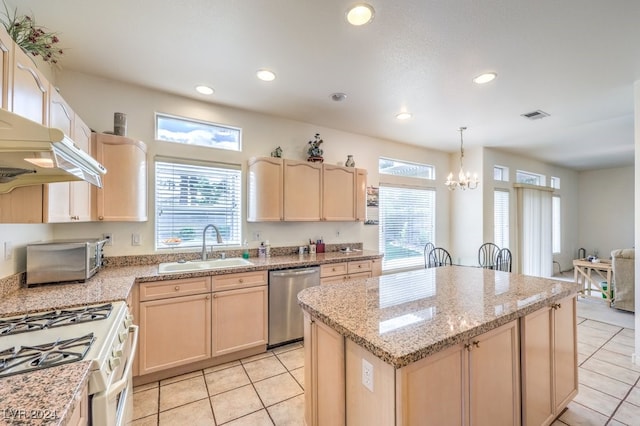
(350, 162)
(277, 153)
(314, 151)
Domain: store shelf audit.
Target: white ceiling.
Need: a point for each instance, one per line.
(574, 59)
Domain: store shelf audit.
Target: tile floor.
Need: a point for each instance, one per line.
(267, 389)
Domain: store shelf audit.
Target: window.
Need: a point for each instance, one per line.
(189, 197)
(388, 166)
(501, 218)
(194, 132)
(530, 178)
(556, 234)
(501, 173)
(555, 182)
(407, 223)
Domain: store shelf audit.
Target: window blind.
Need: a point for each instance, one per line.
(407, 223)
(556, 221)
(189, 197)
(501, 218)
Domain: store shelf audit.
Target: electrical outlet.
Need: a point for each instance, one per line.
(257, 236)
(8, 250)
(109, 238)
(367, 374)
(135, 239)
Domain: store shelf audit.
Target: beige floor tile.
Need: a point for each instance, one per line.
(289, 412)
(292, 359)
(579, 415)
(634, 396)
(623, 340)
(181, 377)
(221, 367)
(278, 388)
(582, 358)
(614, 422)
(145, 421)
(148, 386)
(235, 403)
(264, 368)
(145, 403)
(628, 414)
(182, 392)
(259, 418)
(619, 348)
(227, 379)
(194, 414)
(616, 358)
(558, 423)
(610, 328)
(619, 373)
(288, 347)
(586, 349)
(257, 357)
(596, 400)
(628, 332)
(298, 374)
(602, 383)
(593, 336)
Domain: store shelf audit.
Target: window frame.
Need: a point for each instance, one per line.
(503, 171)
(186, 121)
(540, 179)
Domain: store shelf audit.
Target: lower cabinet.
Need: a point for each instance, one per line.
(549, 362)
(334, 273)
(80, 415)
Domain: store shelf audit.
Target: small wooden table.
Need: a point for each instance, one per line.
(582, 274)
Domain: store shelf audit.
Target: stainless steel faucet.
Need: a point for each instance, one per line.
(204, 239)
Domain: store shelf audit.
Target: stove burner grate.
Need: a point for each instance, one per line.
(54, 319)
(22, 359)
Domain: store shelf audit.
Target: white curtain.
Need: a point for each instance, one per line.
(534, 255)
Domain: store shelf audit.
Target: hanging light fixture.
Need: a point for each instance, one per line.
(465, 181)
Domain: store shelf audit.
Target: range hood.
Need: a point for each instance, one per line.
(32, 154)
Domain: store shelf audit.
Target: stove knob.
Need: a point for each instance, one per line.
(114, 362)
(117, 353)
(123, 336)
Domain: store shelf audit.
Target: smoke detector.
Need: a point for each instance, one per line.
(535, 115)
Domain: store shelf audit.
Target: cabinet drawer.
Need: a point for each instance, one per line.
(173, 288)
(243, 279)
(333, 269)
(359, 266)
(342, 278)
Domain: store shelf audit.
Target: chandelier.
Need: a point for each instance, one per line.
(465, 181)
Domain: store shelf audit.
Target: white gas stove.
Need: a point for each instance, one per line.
(103, 334)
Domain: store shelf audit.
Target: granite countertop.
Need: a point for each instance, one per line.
(404, 317)
(49, 396)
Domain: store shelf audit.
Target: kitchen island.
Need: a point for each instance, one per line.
(450, 345)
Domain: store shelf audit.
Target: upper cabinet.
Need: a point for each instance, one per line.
(30, 97)
(6, 68)
(123, 196)
(289, 190)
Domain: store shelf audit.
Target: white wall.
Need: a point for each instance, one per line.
(96, 100)
(606, 200)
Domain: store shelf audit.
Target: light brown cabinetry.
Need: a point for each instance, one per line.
(123, 196)
(22, 205)
(324, 374)
(175, 323)
(549, 362)
(30, 89)
(265, 190)
(334, 273)
(80, 415)
(6, 68)
(338, 193)
(361, 195)
(302, 190)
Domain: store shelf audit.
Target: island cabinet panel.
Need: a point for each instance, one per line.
(338, 193)
(549, 361)
(302, 190)
(265, 190)
(324, 375)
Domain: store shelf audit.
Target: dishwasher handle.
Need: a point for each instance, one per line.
(296, 273)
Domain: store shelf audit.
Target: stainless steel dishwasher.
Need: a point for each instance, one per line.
(285, 315)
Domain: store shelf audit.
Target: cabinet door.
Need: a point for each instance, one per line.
(174, 332)
(431, 390)
(123, 196)
(81, 191)
(537, 367)
(265, 188)
(30, 89)
(338, 193)
(57, 196)
(494, 396)
(361, 195)
(302, 189)
(6, 68)
(22, 205)
(376, 267)
(565, 352)
(239, 319)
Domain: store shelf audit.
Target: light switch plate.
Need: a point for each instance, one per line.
(135, 239)
(8, 250)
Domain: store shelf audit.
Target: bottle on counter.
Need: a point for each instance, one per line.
(262, 250)
(267, 248)
(245, 250)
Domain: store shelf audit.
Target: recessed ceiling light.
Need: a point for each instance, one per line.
(338, 97)
(266, 75)
(360, 14)
(485, 78)
(205, 90)
(404, 116)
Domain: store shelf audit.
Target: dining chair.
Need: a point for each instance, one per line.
(427, 249)
(503, 261)
(488, 255)
(439, 257)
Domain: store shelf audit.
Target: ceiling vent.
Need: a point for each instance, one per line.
(535, 115)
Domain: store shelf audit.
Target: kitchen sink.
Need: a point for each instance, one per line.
(202, 265)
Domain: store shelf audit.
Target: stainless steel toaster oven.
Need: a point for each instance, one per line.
(63, 260)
